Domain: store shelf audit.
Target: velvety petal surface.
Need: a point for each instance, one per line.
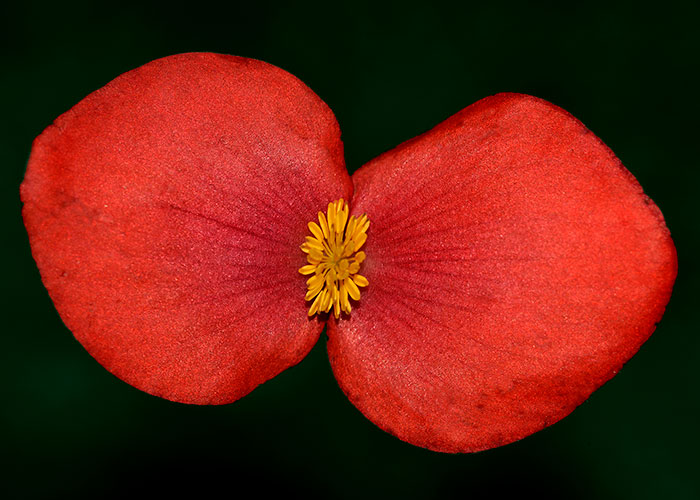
(165, 212)
(514, 266)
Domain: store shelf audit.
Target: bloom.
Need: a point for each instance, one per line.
(513, 263)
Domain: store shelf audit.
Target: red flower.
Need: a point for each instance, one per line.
(514, 265)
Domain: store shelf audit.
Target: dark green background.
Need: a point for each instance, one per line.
(389, 72)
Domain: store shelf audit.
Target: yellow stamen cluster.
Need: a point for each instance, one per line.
(334, 260)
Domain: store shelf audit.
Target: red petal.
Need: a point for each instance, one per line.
(514, 265)
(165, 212)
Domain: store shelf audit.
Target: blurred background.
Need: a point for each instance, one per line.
(389, 71)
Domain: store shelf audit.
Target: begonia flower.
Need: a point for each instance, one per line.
(510, 264)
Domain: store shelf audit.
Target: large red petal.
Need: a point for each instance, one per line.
(165, 212)
(514, 265)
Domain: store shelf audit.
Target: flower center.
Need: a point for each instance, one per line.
(334, 260)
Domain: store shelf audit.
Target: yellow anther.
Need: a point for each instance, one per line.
(333, 259)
